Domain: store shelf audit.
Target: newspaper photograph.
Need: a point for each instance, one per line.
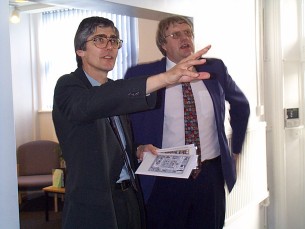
(175, 162)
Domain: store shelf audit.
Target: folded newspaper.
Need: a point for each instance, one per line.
(175, 162)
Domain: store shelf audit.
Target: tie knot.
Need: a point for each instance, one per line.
(186, 84)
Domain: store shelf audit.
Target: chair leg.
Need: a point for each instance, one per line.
(55, 203)
(20, 198)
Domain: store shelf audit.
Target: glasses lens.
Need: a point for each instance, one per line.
(114, 42)
(178, 34)
(188, 33)
(102, 42)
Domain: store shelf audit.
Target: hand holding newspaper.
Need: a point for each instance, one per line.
(175, 162)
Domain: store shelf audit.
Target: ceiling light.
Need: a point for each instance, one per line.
(15, 17)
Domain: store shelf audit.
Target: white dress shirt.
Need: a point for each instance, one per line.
(173, 129)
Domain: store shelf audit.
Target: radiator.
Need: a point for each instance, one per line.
(251, 185)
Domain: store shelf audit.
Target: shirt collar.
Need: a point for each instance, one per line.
(92, 81)
(169, 64)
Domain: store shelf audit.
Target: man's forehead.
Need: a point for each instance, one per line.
(178, 24)
(104, 30)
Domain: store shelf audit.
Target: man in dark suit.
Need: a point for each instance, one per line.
(195, 202)
(89, 114)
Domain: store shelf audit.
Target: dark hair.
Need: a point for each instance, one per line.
(163, 26)
(86, 28)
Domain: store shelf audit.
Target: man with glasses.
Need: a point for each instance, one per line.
(91, 123)
(199, 201)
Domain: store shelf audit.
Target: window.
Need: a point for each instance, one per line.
(55, 53)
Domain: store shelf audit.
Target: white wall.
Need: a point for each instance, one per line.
(252, 218)
(24, 103)
(284, 88)
(9, 214)
(148, 50)
(293, 91)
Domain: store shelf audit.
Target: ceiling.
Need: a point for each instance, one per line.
(34, 6)
(30, 6)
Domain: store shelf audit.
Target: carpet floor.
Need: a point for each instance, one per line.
(32, 213)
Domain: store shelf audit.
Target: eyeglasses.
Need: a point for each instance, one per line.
(102, 41)
(178, 34)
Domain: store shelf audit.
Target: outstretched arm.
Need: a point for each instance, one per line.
(182, 72)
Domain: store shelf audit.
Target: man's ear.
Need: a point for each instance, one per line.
(80, 52)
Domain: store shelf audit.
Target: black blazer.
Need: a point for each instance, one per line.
(91, 150)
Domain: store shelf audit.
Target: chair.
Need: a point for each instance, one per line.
(36, 160)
